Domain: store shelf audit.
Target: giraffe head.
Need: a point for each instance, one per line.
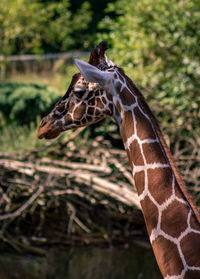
(88, 98)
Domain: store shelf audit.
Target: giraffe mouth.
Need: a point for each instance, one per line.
(46, 131)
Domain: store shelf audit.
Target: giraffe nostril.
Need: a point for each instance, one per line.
(43, 122)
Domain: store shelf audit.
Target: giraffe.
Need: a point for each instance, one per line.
(102, 89)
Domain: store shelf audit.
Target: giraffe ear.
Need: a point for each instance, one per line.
(92, 74)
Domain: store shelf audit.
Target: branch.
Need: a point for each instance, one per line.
(123, 194)
(23, 207)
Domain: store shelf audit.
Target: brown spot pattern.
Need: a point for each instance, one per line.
(90, 110)
(109, 96)
(178, 191)
(118, 86)
(192, 274)
(167, 256)
(127, 126)
(153, 153)
(121, 78)
(171, 217)
(160, 183)
(99, 103)
(150, 212)
(71, 107)
(194, 223)
(61, 107)
(144, 127)
(110, 108)
(79, 111)
(118, 107)
(97, 112)
(68, 119)
(91, 102)
(135, 153)
(104, 100)
(126, 97)
(139, 181)
(189, 245)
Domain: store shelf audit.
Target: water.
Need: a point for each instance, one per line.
(82, 263)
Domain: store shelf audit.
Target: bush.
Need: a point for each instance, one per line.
(22, 103)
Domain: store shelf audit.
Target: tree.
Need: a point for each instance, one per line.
(36, 27)
(158, 41)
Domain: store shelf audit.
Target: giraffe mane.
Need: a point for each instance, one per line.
(73, 82)
(167, 151)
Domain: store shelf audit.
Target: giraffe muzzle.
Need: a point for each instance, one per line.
(47, 131)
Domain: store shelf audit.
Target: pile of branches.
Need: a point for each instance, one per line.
(69, 193)
(64, 194)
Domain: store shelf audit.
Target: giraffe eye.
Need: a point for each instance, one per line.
(79, 94)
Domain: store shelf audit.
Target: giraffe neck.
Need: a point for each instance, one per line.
(171, 219)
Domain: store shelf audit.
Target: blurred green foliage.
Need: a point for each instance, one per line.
(23, 102)
(42, 26)
(14, 137)
(157, 43)
(38, 26)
